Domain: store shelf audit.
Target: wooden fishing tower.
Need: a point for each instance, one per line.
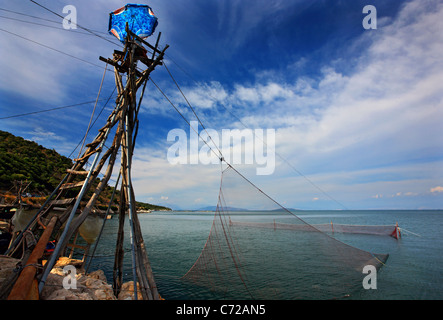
(62, 214)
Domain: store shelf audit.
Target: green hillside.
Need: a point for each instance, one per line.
(23, 160)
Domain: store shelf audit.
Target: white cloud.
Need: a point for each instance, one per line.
(263, 93)
(205, 96)
(41, 135)
(29, 76)
(383, 116)
(437, 189)
(248, 95)
(42, 67)
(386, 111)
(405, 194)
(239, 19)
(153, 176)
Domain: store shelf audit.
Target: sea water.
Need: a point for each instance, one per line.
(174, 241)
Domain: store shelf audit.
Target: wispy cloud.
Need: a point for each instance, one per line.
(437, 189)
(176, 185)
(382, 115)
(364, 127)
(39, 134)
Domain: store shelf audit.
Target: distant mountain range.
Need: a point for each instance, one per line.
(214, 208)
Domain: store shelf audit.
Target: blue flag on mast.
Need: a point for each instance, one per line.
(140, 18)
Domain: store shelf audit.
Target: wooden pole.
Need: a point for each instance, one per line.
(112, 151)
(82, 192)
(126, 115)
(119, 251)
(24, 288)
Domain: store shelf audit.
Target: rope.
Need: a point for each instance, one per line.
(377, 259)
(35, 265)
(43, 19)
(47, 110)
(220, 153)
(415, 234)
(81, 27)
(45, 25)
(48, 47)
(192, 109)
(186, 120)
(98, 116)
(93, 111)
(246, 127)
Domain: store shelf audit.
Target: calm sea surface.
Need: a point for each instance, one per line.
(414, 269)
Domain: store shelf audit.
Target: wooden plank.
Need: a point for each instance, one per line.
(62, 202)
(85, 156)
(59, 209)
(143, 41)
(77, 172)
(71, 185)
(121, 69)
(151, 68)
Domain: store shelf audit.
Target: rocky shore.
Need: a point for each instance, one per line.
(91, 286)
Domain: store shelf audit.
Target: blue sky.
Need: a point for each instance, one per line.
(358, 112)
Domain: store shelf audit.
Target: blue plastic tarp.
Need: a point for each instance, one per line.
(140, 18)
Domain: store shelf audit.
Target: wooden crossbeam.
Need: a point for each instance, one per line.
(62, 202)
(72, 185)
(77, 172)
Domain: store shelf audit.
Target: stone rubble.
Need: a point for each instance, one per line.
(92, 286)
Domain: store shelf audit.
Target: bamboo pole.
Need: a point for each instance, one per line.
(119, 251)
(126, 179)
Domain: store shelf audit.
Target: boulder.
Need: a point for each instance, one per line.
(127, 291)
(88, 287)
(7, 267)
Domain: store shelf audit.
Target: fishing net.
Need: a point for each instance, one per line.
(258, 249)
(330, 228)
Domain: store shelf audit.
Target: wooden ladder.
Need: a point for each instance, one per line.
(74, 246)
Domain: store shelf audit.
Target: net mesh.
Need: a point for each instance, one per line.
(325, 227)
(267, 252)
